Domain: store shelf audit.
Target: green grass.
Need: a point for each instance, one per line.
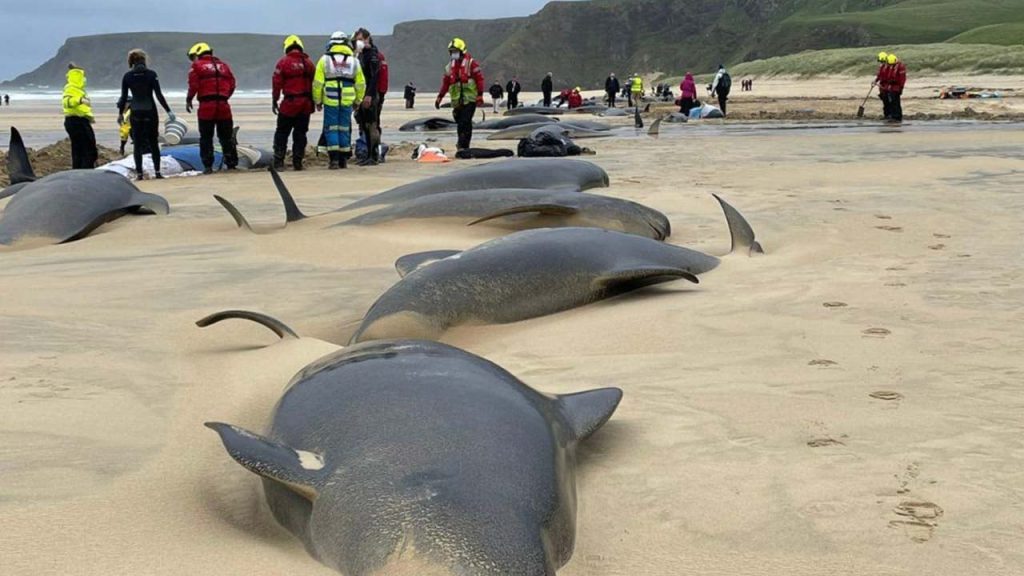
(920, 58)
(1008, 34)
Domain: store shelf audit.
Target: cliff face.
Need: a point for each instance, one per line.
(580, 42)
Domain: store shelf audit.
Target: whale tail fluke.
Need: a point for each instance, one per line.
(273, 324)
(743, 238)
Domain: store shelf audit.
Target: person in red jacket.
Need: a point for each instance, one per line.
(687, 94)
(210, 79)
(293, 79)
(897, 79)
(882, 81)
(575, 99)
(464, 83)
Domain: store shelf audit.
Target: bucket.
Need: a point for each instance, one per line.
(174, 131)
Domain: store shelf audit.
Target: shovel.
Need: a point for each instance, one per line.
(860, 111)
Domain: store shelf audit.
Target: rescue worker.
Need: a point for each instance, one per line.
(636, 90)
(882, 81)
(546, 88)
(78, 120)
(575, 99)
(211, 80)
(374, 73)
(897, 80)
(462, 81)
(410, 95)
(497, 93)
(687, 94)
(611, 88)
(144, 88)
(337, 85)
(513, 89)
(721, 86)
(124, 126)
(292, 81)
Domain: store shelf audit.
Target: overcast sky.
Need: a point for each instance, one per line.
(33, 30)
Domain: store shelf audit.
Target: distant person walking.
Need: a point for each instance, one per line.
(143, 86)
(497, 93)
(7, 99)
(375, 72)
(338, 84)
(546, 88)
(78, 120)
(721, 86)
(687, 94)
(897, 81)
(636, 90)
(410, 96)
(513, 88)
(462, 81)
(211, 81)
(292, 85)
(882, 81)
(611, 88)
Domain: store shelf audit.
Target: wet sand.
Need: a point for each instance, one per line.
(849, 403)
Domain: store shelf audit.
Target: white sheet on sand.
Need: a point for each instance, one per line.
(168, 167)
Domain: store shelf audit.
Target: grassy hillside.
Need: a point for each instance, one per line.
(920, 58)
(581, 42)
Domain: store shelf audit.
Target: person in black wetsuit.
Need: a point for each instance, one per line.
(143, 85)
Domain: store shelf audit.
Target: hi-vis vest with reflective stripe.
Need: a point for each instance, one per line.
(638, 85)
(463, 89)
(339, 79)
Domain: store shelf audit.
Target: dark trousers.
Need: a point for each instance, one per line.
(513, 101)
(410, 103)
(369, 125)
(464, 122)
(685, 105)
(895, 106)
(225, 135)
(547, 99)
(722, 100)
(83, 142)
(296, 127)
(611, 99)
(886, 106)
(144, 135)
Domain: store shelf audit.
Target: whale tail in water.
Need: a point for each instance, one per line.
(19, 169)
(742, 233)
(291, 209)
(276, 326)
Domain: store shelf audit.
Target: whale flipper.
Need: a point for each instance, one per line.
(548, 208)
(635, 277)
(408, 263)
(273, 324)
(300, 471)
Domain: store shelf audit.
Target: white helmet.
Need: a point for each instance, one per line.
(337, 38)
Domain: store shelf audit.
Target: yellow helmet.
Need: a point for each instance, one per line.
(892, 59)
(883, 57)
(578, 88)
(457, 44)
(293, 40)
(199, 49)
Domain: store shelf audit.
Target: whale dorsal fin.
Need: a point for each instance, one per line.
(291, 209)
(273, 324)
(19, 169)
(300, 471)
(588, 411)
(545, 209)
(408, 263)
(743, 239)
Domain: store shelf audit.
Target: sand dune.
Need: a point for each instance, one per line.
(849, 403)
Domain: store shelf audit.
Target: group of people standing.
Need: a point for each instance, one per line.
(891, 79)
(511, 90)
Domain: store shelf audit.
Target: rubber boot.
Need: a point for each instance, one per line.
(297, 163)
(335, 160)
(279, 160)
(342, 161)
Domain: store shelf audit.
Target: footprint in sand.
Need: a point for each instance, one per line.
(886, 395)
(822, 363)
(943, 236)
(876, 332)
(896, 269)
(834, 304)
(917, 519)
(963, 255)
(883, 217)
(890, 228)
(823, 442)
(896, 285)
(937, 247)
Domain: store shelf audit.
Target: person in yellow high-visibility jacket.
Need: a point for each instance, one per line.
(337, 84)
(78, 120)
(636, 90)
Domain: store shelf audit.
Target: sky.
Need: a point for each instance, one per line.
(34, 29)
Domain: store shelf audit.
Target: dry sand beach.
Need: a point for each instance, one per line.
(849, 403)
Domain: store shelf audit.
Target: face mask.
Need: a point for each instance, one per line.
(360, 45)
(455, 56)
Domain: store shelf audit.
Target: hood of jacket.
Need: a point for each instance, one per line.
(76, 78)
